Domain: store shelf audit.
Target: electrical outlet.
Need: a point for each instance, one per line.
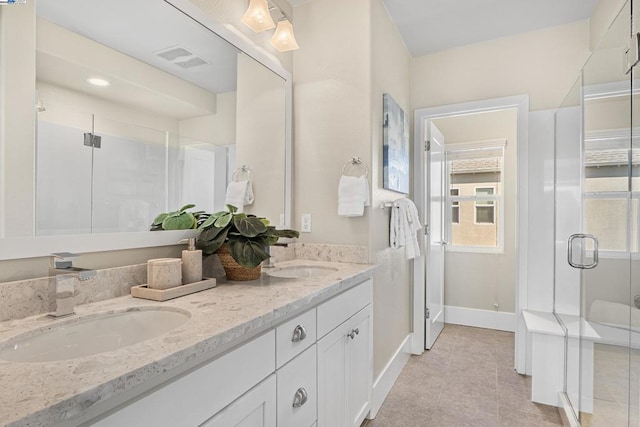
(306, 223)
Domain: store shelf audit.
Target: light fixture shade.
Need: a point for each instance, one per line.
(283, 38)
(257, 17)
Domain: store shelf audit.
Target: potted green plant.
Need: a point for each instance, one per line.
(177, 220)
(240, 240)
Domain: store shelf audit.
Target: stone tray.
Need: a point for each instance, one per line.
(143, 291)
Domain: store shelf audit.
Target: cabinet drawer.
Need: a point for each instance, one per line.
(297, 386)
(256, 407)
(202, 392)
(338, 309)
(295, 336)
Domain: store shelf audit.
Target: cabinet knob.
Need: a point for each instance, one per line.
(300, 398)
(352, 334)
(356, 330)
(299, 333)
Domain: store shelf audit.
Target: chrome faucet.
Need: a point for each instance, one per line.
(66, 276)
(269, 262)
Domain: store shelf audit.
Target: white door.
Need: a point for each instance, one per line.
(359, 363)
(435, 239)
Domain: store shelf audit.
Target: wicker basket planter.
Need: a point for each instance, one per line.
(235, 271)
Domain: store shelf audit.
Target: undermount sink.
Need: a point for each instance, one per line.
(92, 335)
(301, 271)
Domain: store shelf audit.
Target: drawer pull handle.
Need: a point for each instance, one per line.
(299, 333)
(300, 398)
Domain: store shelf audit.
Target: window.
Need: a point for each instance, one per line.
(610, 210)
(475, 197)
(455, 206)
(485, 209)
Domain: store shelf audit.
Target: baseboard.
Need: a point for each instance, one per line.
(487, 319)
(382, 385)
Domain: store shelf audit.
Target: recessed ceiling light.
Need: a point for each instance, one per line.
(98, 82)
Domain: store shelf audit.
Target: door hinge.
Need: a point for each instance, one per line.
(427, 229)
(426, 313)
(92, 140)
(631, 53)
(427, 145)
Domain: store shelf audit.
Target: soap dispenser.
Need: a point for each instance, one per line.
(191, 262)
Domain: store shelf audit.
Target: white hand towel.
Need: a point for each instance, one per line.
(404, 226)
(239, 194)
(353, 195)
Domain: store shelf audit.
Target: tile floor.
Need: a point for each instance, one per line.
(467, 379)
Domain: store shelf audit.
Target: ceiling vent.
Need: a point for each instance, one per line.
(181, 57)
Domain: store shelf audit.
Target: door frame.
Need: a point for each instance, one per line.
(422, 116)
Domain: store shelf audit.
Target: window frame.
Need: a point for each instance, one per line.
(457, 204)
(498, 197)
(484, 198)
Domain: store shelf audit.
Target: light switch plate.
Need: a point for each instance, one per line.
(306, 223)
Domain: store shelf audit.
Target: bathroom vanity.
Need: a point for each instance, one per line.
(278, 351)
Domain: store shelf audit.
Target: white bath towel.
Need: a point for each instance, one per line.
(353, 195)
(404, 226)
(239, 194)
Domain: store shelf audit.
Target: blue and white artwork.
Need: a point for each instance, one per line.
(396, 146)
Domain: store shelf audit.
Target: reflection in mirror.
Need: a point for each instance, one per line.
(175, 111)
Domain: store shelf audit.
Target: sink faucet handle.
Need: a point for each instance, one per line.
(62, 259)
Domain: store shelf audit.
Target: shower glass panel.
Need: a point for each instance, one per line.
(596, 225)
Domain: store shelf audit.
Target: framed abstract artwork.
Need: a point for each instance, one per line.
(395, 156)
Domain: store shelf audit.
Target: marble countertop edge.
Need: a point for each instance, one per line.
(289, 298)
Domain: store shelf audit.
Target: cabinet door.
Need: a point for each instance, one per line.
(332, 364)
(297, 391)
(359, 367)
(256, 408)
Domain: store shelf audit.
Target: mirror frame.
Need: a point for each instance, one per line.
(41, 246)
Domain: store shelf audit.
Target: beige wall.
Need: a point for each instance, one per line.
(216, 129)
(339, 80)
(18, 76)
(392, 287)
(541, 63)
(484, 280)
(260, 135)
(332, 110)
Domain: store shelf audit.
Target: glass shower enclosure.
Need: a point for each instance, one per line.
(596, 290)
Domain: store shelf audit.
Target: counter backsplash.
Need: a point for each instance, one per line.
(24, 298)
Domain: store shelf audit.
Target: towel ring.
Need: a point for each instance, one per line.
(355, 162)
(244, 169)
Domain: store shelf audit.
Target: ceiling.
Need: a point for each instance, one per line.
(429, 26)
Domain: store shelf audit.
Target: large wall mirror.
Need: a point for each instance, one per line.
(141, 108)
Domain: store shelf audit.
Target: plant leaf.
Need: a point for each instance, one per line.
(158, 220)
(248, 253)
(223, 220)
(232, 209)
(210, 246)
(249, 226)
(185, 207)
(183, 221)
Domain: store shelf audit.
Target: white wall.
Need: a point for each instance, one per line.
(541, 63)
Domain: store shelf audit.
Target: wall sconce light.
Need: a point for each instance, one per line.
(258, 18)
(283, 38)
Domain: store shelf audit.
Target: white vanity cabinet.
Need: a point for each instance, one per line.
(345, 358)
(286, 377)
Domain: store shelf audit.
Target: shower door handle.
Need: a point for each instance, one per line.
(570, 251)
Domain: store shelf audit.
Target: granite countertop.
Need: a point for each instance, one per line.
(44, 394)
